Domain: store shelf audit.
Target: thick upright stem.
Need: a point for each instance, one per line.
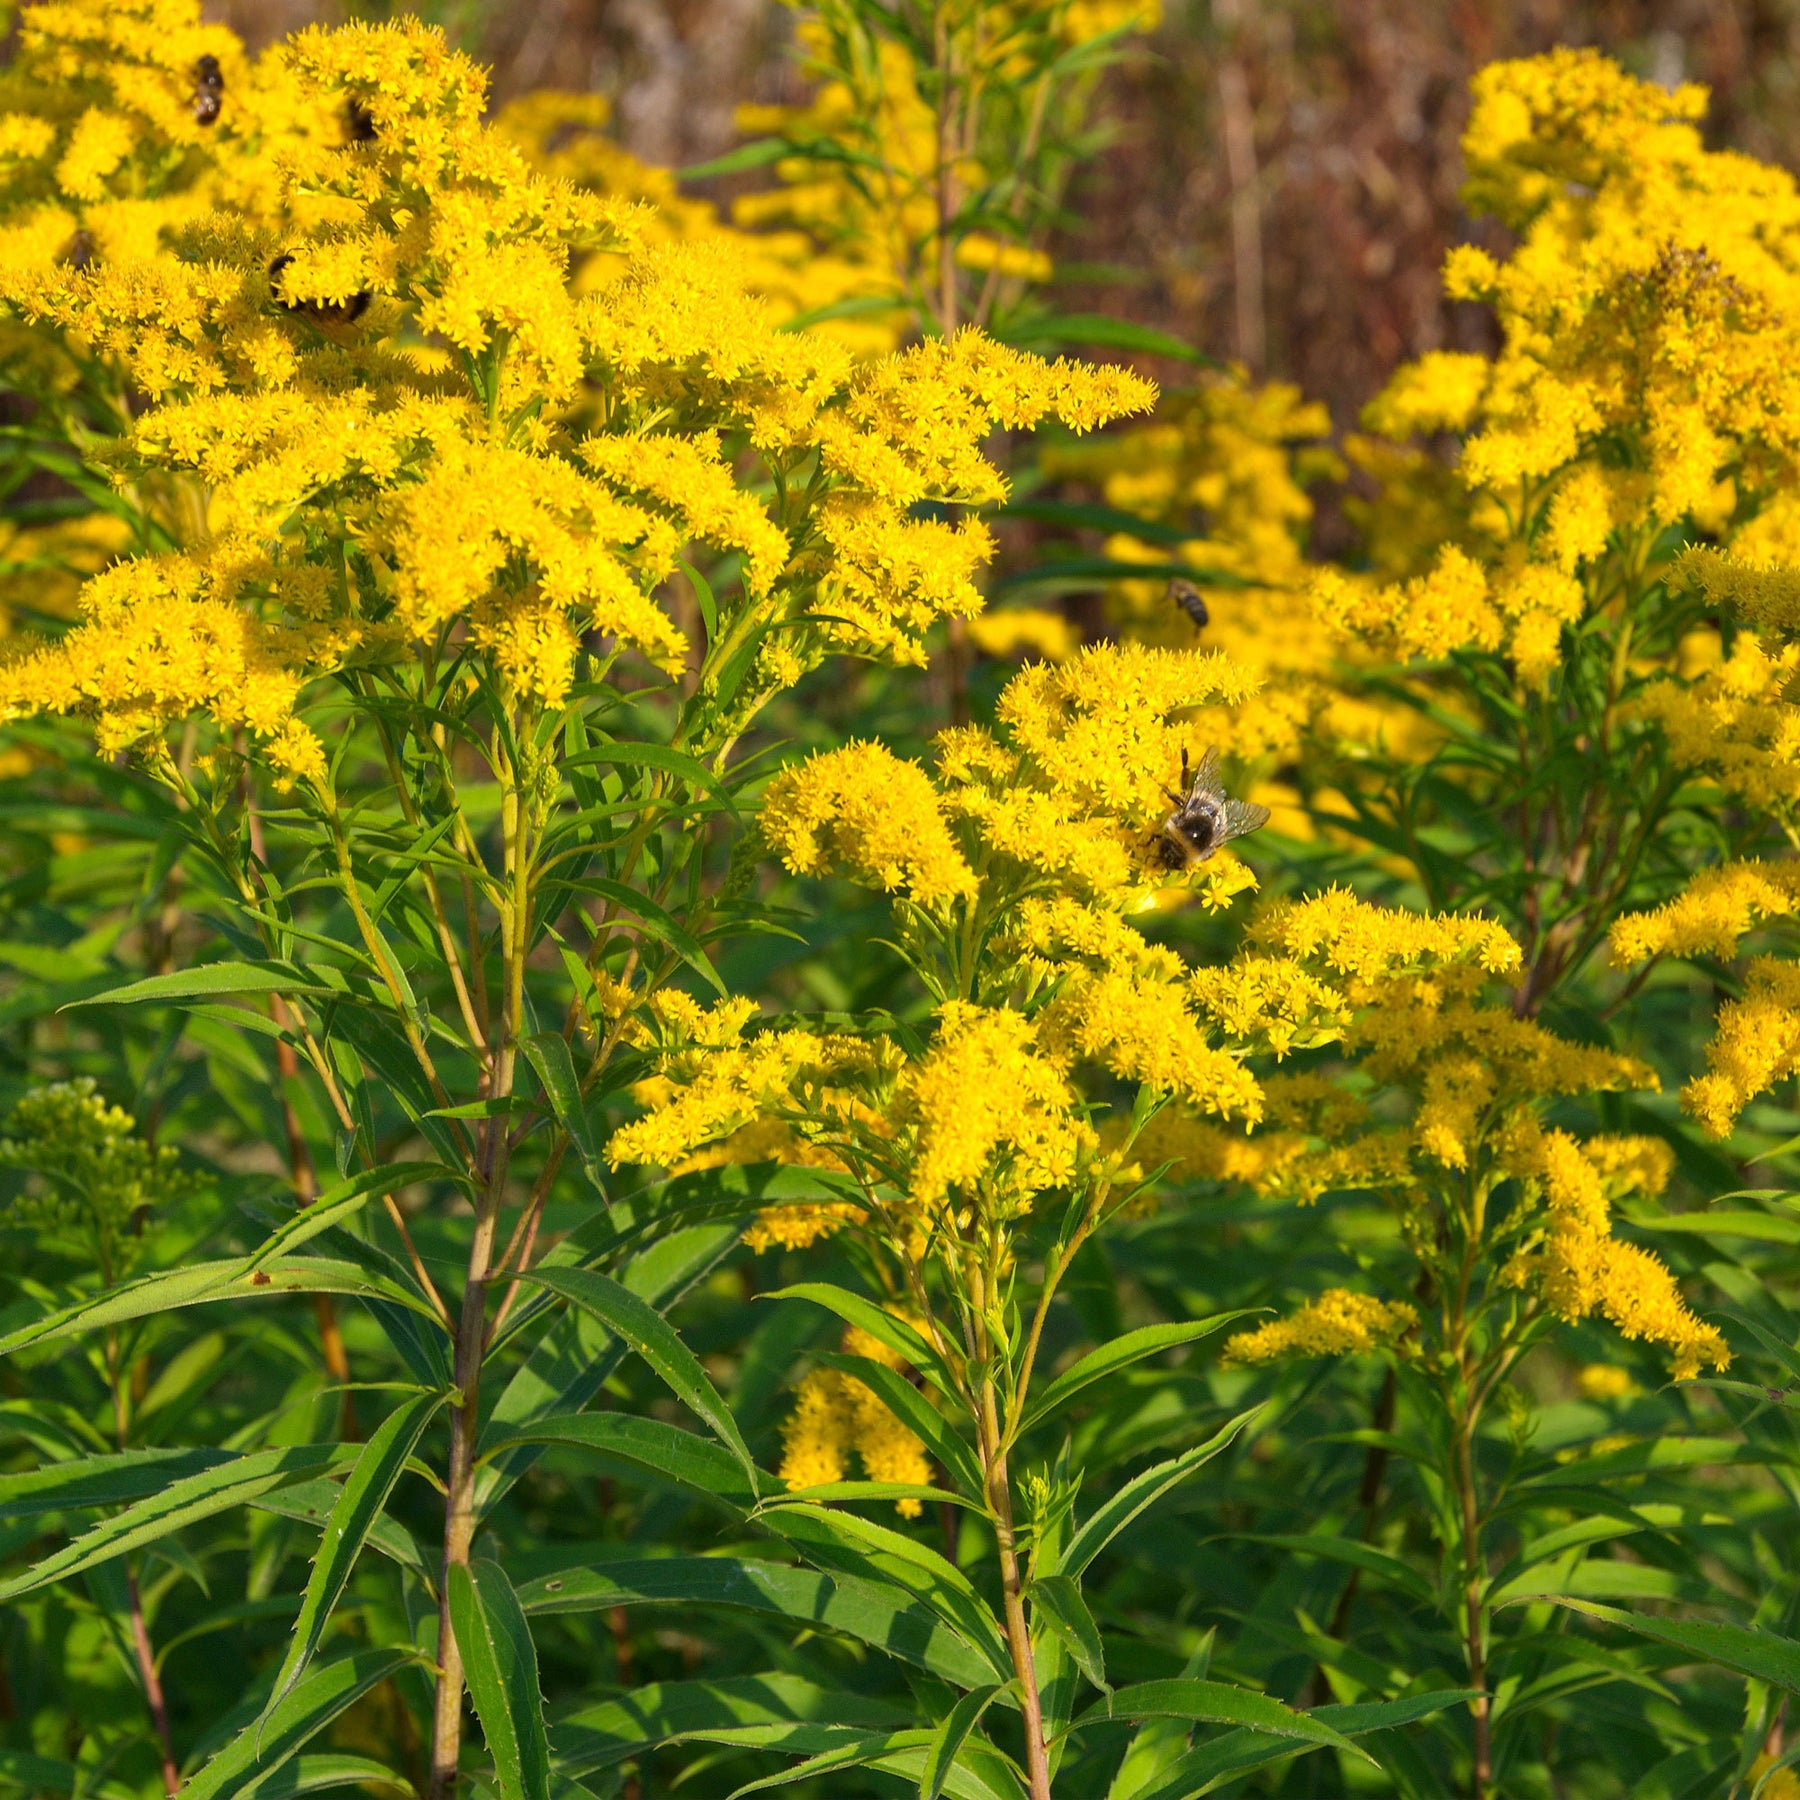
(471, 1325)
(1018, 1631)
(459, 1502)
(1474, 1634)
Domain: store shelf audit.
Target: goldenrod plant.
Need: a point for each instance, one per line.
(610, 1187)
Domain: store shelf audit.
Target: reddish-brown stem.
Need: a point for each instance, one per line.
(146, 1661)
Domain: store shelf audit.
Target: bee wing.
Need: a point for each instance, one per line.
(1207, 785)
(1241, 818)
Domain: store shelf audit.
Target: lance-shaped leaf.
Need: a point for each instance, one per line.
(182, 1502)
(327, 1771)
(211, 980)
(918, 1415)
(656, 1341)
(1204, 1768)
(1216, 1703)
(949, 1737)
(1762, 1655)
(359, 1506)
(1121, 1353)
(662, 1452)
(855, 1546)
(265, 1744)
(601, 1737)
(234, 1279)
(110, 1480)
(1057, 1604)
(873, 1612)
(501, 1665)
(897, 1334)
(1138, 1495)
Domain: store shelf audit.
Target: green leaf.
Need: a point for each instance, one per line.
(326, 1692)
(1204, 1768)
(501, 1664)
(1138, 1495)
(1358, 1555)
(756, 154)
(1056, 1602)
(322, 1772)
(109, 1480)
(237, 1279)
(1761, 1655)
(311, 1503)
(659, 756)
(337, 1204)
(209, 982)
(664, 1452)
(363, 1500)
(1121, 1353)
(602, 1736)
(919, 1416)
(947, 1741)
(703, 592)
(872, 1612)
(181, 1502)
(654, 1339)
(1216, 1703)
(659, 924)
(845, 1543)
(897, 1334)
(548, 1054)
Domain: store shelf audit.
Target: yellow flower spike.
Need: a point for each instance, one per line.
(991, 1115)
(1354, 939)
(1719, 908)
(868, 812)
(1756, 1044)
(1338, 1323)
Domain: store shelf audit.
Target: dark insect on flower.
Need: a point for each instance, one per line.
(1205, 817)
(359, 122)
(209, 89)
(321, 312)
(1187, 597)
(78, 252)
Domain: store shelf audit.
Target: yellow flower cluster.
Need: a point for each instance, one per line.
(1338, 1323)
(1757, 1041)
(1577, 1264)
(564, 135)
(1221, 480)
(286, 350)
(835, 1414)
(1474, 1075)
(1457, 606)
(1755, 1045)
(1034, 844)
(865, 810)
(1719, 908)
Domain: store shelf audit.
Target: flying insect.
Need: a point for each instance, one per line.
(1187, 597)
(209, 89)
(1205, 816)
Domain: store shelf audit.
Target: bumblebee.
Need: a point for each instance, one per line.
(321, 312)
(1204, 818)
(209, 89)
(1187, 597)
(359, 123)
